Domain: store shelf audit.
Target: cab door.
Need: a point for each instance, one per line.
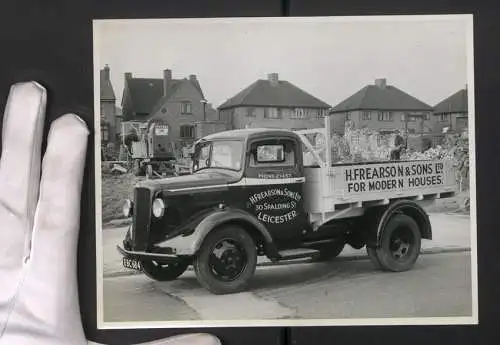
(274, 183)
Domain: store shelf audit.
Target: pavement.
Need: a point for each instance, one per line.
(451, 233)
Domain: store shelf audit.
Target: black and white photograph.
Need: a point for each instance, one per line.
(285, 171)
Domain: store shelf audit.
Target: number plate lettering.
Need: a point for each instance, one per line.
(132, 264)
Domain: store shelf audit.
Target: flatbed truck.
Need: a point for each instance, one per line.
(250, 194)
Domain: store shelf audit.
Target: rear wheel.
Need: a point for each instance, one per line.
(399, 246)
(163, 271)
(226, 260)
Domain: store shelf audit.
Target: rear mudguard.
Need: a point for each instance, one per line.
(377, 220)
(189, 243)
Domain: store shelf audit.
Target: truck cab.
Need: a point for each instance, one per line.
(250, 195)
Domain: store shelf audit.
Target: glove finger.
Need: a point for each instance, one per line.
(184, 339)
(20, 168)
(50, 293)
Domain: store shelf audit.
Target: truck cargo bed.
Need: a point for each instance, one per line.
(342, 185)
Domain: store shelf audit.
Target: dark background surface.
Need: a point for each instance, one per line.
(52, 43)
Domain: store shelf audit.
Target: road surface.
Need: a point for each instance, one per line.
(438, 286)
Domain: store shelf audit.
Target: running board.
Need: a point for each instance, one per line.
(299, 253)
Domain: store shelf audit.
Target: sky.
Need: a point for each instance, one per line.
(330, 58)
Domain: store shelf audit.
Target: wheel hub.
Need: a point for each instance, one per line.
(401, 243)
(227, 260)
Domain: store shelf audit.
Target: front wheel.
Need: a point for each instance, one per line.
(399, 246)
(226, 260)
(163, 271)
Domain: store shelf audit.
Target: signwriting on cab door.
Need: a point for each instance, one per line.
(275, 206)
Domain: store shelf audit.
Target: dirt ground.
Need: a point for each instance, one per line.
(115, 189)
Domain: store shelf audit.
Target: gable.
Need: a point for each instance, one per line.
(183, 89)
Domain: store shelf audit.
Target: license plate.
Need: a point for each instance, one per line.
(132, 264)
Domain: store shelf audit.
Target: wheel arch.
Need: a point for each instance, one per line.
(240, 218)
(411, 209)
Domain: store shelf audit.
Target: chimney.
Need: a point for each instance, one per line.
(273, 78)
(192, 77)
(106, 72)
(167, 80)
(128, 75)
(381, 83)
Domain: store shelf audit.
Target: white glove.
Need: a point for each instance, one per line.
(39, 224)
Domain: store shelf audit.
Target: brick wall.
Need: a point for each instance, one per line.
(179, 122)
(390, 120)
(244, 117)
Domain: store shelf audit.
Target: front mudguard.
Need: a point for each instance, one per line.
(188, 243)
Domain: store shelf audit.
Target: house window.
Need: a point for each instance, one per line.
(273, 113)
(186, 108)
(412, 118)
(444, 117)
(348, 116)
(251, 112)
(366, 115)
(427, 116)
(104, 132)
(187, 131)
(298, 113)
(385, 116)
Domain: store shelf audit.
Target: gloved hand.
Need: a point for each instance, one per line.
(39, 224)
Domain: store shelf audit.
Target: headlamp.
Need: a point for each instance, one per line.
(158, 208)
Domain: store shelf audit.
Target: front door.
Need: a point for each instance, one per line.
(274, 182)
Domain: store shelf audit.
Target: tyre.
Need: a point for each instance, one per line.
(226, 260)
(399, 246)
(330, 252)
(162, 271)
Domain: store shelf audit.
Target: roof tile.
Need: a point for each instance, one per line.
(263, 93)
(456, 103)
(373, 97)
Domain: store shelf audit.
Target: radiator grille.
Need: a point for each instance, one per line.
(142, 218)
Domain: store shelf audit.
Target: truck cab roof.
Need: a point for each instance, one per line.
(248, 133)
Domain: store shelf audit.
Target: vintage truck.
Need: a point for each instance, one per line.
(250, 194)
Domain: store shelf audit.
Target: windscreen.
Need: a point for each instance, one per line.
(223, 154)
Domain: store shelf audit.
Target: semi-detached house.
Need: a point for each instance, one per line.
(383, 107)
(453, 112)
(273, 103)
(178, 102)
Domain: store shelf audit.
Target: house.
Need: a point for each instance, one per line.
(452, 112)
(109, 120)
(179, 102)
(383, 107)
(273, 103)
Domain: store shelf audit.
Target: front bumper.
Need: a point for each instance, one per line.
(130, 254)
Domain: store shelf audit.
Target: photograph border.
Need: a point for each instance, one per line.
(102, 325)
